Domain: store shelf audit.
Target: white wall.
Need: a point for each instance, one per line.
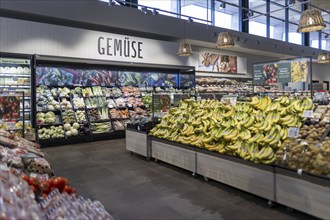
(321, 72)
(19, 36)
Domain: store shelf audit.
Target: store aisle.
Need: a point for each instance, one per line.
(132, 188)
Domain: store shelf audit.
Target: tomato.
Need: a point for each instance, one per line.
(70, 190)
(44, 187)
(60, 182)
(33, 182)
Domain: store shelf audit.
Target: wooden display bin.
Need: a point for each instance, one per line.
(176, 154)
(137, 142)
(305, 193)
(257, 179)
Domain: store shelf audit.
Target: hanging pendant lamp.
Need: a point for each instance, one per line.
(225, 40)
(185, 48)
(311, 20)
(323, 58)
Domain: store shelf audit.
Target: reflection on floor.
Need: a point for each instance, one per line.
(130, 187)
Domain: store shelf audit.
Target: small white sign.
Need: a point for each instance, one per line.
(199, 98)
(293, 132)
(307, 114)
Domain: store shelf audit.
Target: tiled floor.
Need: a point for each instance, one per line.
(130, 187)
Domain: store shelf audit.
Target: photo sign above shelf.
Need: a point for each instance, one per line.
(280, 72)
(215, 62)
(61, 76)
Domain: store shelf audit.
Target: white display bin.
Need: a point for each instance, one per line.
(254, 178)
(183, 157)
(137, 142)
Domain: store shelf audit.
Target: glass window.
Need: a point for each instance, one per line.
(166, 5)
(325, 43)
(226, 17)
(257, 26)
(196, 9)
(294, 36)
(277, 29)
(258, 5)
(294, 17)
(277, 11)
(314, 39)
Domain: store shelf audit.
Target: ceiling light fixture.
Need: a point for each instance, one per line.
(311, 20)
(323, 58)
(185, 48)
(225, 40)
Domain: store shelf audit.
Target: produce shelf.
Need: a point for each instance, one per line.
(137, 142)
(14, 75)
(180, 155)
(306, 193)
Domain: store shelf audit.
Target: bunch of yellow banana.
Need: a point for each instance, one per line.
(260, 103)
(187, 130)
(266, 155)
(273, 116)
(291, 121)
(283, 100)
(298, 71)
(274, 106)
(232, 134)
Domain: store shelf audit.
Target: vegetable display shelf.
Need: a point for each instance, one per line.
(177, 154)
(257, 179)
(304, 192)
(137, 142)
(295, 189)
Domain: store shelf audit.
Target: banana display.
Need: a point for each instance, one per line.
(251, 130)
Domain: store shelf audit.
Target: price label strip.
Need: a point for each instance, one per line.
(293, 132)
(307, 114)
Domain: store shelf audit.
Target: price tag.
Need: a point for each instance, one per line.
(138, 128)
(39, 109)
(102, 84)
(112, 84)
(293, 132)
(11, 125)
(60, 84)
(299, 171)
(93, 84)
(75, 96)
(62, 94)
(199, 98)
(307, 114)
(47, 83)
